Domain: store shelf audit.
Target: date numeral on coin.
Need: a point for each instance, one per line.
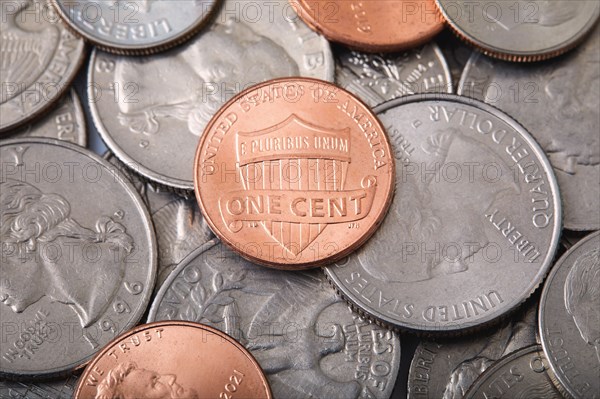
(235, 380)
(354, 225)
(134, 288)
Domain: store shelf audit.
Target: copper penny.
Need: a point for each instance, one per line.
(173, 359)
(376, 25)
(294, 173)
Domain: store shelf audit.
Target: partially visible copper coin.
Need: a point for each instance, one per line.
(173, 359)
(294, 173)
(374, 26)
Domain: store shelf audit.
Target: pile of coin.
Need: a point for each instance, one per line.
(288, 189)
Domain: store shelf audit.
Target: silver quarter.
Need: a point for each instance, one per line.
(306, 339)
(53, 389)
(446, 369)
(476, 205)
(78, 256)
(558, 102)
(39, 59)
(521, 30)
(66, 122)
(136, 26)
(569, 319)
(376, 78)
(520, 375)
(154, 123)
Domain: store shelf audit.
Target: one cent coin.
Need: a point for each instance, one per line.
(521, 30)
(173, 359)
(294, 173)
(474, 224)
(135, 27)
(521, 375)
(569, 319)
(372, 26)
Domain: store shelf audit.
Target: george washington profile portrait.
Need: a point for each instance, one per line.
(191, 84)
(547, 13)
(582, 297)
(46, 253)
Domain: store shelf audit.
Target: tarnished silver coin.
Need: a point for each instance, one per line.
(569, 319)
(66, 122)
(520, 375)
(39, 58)
(521, 30)
(136, 26)
(445, 369)
(376, 78)
(474, 224)
(152, 111)
(306, 339)
(558, 102)
(78, 256)
(52, 389)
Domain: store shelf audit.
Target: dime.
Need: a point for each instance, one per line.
(39, 59)
(377, 78)
(558, 103)
(473, 226)
(373, 26)
(521, 30)
(294, 173)
(138, 26)
(310, 344)
(75, 271)
(146, 118)
(570, 319)
(173, 359)
(66, 122)
(521, 375)
(54, 389)
(446, 369)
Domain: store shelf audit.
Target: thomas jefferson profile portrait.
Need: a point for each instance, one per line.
(539, 12)
(437, 218)
(582, 297)
(191, 84)
(44, 253)
(128, 381)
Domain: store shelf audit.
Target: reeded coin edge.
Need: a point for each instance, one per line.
(487, 321)
(152, 255)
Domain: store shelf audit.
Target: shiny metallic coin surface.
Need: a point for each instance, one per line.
(558, 102)
(136, 27)
(151, 111)
(76, 271)
(39, 59)
(569, 319)
(445, 369)
(521, 30)
(63, 388)
(520, 375)
(306, 339)
(374, 26)
(294, 173)
(66, 122)
(376, 78)
(473, 226)
(173, 359)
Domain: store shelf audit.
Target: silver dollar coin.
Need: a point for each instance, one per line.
(521, 30)
(446, 369)
(306, 339)
(66, 122)
(39, 59)
(570, 319)
(136, 26)
(53, 389)
(476, 205)
(376, 78)
(78, 256)
(152, 111)
(520, 375)
(558, 103)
